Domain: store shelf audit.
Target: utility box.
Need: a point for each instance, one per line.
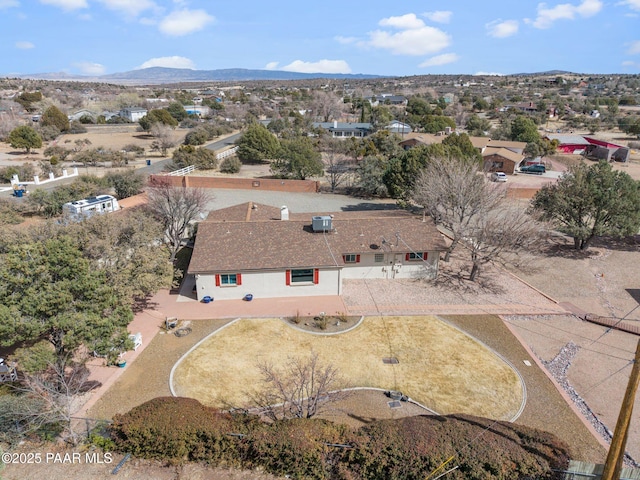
(321, 223)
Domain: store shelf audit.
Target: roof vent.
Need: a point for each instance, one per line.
(284, 213)
(321, 223)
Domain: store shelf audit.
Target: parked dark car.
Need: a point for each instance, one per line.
(534, 169)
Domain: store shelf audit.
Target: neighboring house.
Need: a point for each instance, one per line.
(345, 129)
(571, 144)
(415, 139)
(528, 107)
(386, 99)
(500, 159)
(133, 114)
(200, 110)
(270, 252)
(399, 128)
(517, 147)
(82, 113)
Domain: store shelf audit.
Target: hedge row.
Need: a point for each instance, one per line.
(180, 429)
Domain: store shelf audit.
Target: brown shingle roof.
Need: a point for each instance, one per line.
(274, 244)
(505, 153)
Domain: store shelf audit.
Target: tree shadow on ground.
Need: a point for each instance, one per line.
(453, 276)
(563, 246)
(143, 303)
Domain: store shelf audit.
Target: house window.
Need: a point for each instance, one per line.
(299, 276)
(228, 280)
(498, 165)
(307, 275)
(379, 257)
(416, 256)
(351, 258)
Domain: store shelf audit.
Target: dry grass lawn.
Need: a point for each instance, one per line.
(439, 366)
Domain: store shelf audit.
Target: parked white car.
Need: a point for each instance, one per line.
(498, 177)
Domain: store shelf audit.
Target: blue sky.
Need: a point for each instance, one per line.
(404, 37)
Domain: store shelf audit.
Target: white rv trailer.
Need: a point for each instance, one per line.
(92, 205)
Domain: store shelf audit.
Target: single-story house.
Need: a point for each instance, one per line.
(500, 159)
(82, 113)
(570, 144)
(516, 147)
(481, 143)
(387, 99)
(133, 114)
(200, 110)
(270, 252)
(345, 129)
(399, 128)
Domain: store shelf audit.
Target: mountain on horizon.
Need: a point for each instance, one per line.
(160, 75)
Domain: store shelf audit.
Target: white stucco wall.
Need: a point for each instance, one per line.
(392, 266)
(269, 285)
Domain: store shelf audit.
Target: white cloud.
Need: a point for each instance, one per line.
(183, 22)
(403, 22)
(632, 4)
(438, 60)
(24, 45)
(488, 74)
(345, 40)
(67, 5)
(414, 37)
(439, 16)
(628, 63)
(271, 66)
(566, 11)
(634, 48)
(9, 4)
(168, 62)
(128, 7)
(90, 68)
(321, 66)
(417, 41)
(502, 29)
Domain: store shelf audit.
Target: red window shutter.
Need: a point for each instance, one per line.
(288, 277)
(316, 276)
(357, 258)
(344, 258)
(238, 279)
(217, 280)
(425, 255)
(406, 257)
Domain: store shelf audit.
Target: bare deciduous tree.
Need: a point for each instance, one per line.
(163, 140)
(326, 106)
(504, 235)
(454, 194)
(176, 208)
(301, 389)
(337, 164)
(53, 397)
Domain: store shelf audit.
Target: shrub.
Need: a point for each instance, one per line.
(10, 212)
(179, 429)
(182, 429)
(413, 447)
(77, 127)
(231, 165)
(296, 448)
(197, 136)
(25, 172)
(125, 184)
